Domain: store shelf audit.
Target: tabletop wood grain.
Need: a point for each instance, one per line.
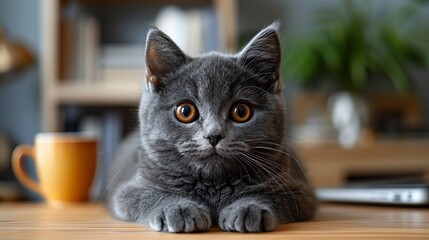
(92, 221)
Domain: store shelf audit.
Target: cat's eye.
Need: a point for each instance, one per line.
(186, 112)
(241, 112)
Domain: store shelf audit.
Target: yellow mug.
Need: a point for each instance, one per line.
(65, 165)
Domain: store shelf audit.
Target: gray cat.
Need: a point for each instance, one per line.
(211, 148)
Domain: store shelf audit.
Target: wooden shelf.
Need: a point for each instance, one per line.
(329, 164)
(98, 94)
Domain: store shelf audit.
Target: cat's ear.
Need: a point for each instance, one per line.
(262, 56)
(163, 56)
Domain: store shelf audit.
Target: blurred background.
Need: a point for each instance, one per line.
(356, 76)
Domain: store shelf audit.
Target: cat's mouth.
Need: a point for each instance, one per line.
(212, 154)
(206, 153)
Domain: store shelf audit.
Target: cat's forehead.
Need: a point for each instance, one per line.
(210, 76)
(216, 68)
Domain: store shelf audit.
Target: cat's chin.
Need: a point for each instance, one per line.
(207, 154)
(214, 166)
(212, 157)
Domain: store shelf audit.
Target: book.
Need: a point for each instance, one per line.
(122, 76)
(79, 40)
(195, 33)
(210, 30)
(186, 28)
(68, 49)
(121, 56)
(89, 47)
(121, 64)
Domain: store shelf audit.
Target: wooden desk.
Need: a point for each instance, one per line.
(90, 221)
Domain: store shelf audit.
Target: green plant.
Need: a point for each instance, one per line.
(356, 42)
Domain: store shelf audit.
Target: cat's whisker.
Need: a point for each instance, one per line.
(285, 151)
(282, 150)
(122, 198)
(251, 165)
(274, 177)
(281, 176)
(105, 190)
(269, 179)
(283, 179)
(244, 167)
(269, 165)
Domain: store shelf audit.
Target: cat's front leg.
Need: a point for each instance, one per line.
(248, 215)
(161, 211)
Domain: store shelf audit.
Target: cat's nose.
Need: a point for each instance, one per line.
(214, 139)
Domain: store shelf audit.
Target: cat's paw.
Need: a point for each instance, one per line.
(181, 217)
(247, 217)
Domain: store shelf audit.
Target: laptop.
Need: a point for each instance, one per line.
(391, 194)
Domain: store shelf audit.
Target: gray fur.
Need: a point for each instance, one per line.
(168, 175)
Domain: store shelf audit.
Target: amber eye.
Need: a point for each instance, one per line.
(241, 112)
(186, 112)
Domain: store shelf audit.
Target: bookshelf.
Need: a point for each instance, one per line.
(58, 92)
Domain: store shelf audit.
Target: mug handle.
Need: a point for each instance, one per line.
(18, 166)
